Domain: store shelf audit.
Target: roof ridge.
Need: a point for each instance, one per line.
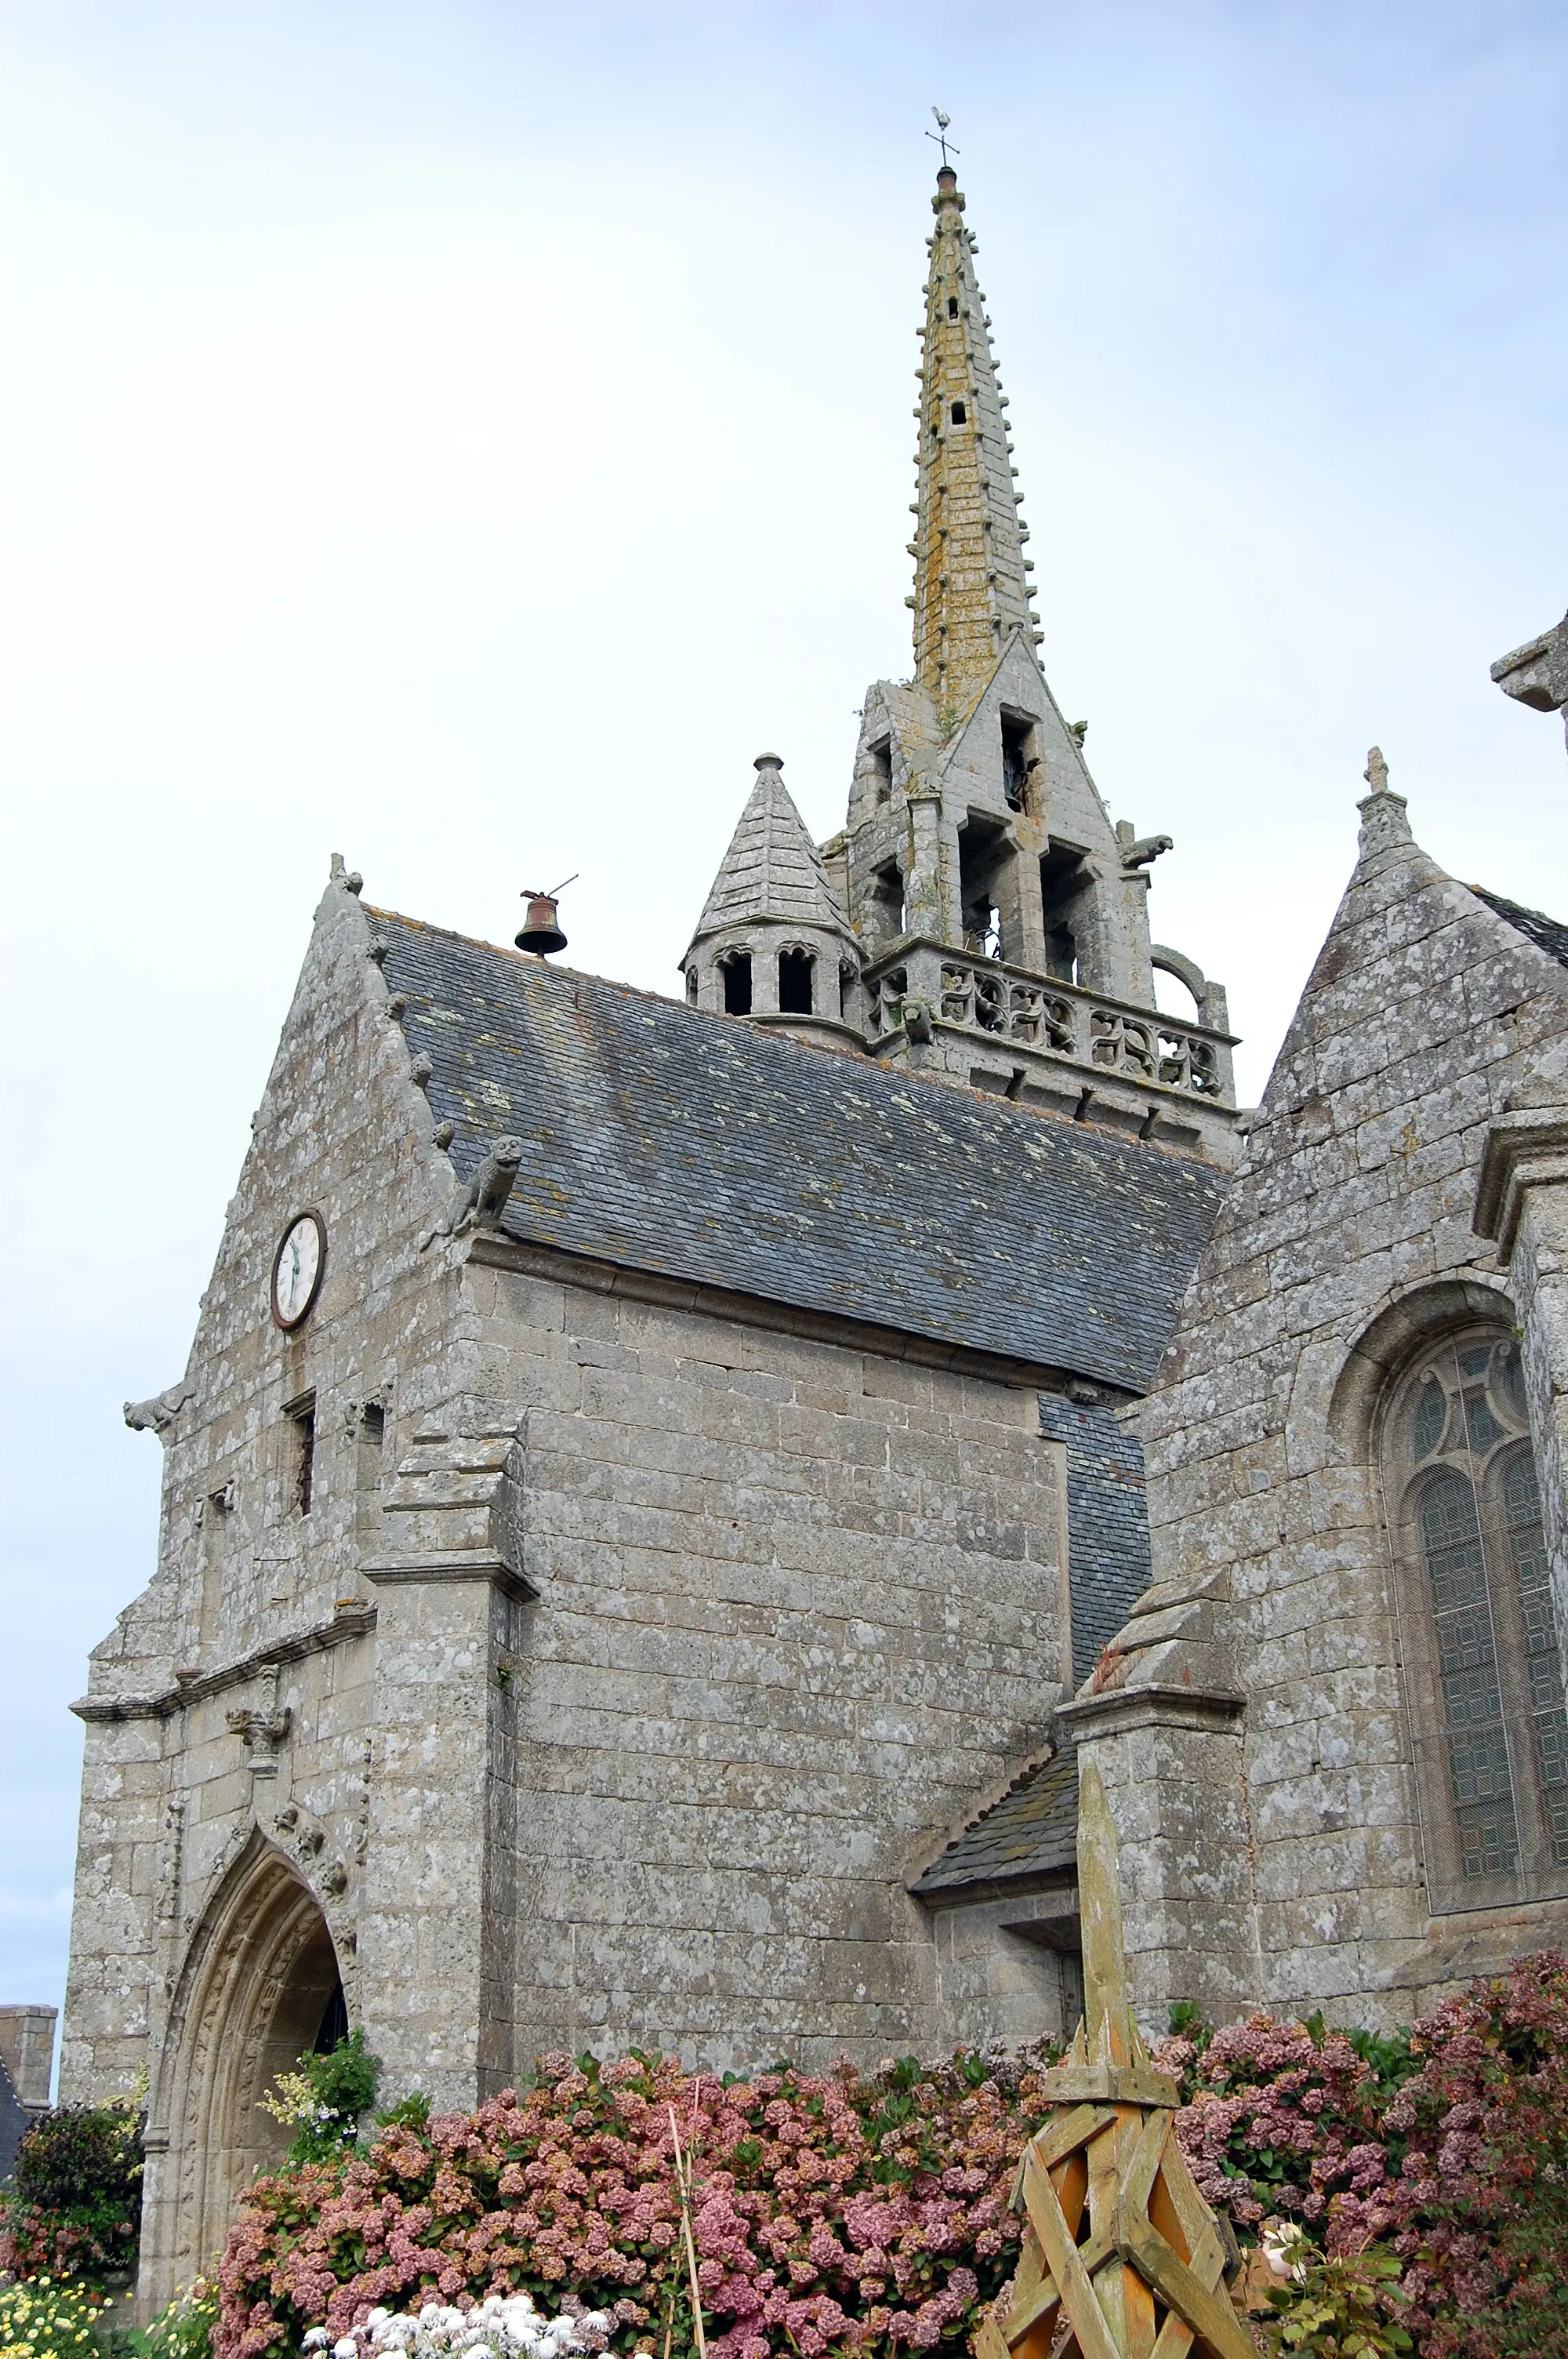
(941, 1089)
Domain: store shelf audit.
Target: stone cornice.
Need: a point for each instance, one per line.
(494, 1248)
(1523, 1150)
(454, 1567)
(356, 1621)
(1116, 1712)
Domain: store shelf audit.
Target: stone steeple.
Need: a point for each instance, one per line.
(971, 586)
(771, 943)
(979, 917)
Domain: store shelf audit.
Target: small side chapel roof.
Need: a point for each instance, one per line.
(772, 870)
(1031, 1831)
(663, 1139)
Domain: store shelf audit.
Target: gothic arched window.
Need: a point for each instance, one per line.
(1487, 1708)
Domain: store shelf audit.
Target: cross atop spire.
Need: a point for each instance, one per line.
(971, 585)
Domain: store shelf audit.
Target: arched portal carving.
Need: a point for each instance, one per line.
(258, 1979)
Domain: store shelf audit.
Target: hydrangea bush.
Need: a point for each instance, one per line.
(827, 2212)
(1447, 2147)
(500, 2327)
(1427, 2173)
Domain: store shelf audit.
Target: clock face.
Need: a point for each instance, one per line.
(297, 1271)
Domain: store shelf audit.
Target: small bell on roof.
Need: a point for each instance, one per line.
(541, 928)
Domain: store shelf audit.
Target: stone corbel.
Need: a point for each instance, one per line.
(262, 1731)
(1523, 1150)
(262, 1735)
(1537, 673)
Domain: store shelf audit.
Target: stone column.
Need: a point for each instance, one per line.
(438, 1935)
(1172, 1761)
(1522, 1203)
(925, 900)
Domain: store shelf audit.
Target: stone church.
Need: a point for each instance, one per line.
(667, 1492)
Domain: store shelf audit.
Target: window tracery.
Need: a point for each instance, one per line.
(1488, 1712)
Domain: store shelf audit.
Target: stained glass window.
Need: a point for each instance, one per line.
(1468, 1673)
(1489, 1712)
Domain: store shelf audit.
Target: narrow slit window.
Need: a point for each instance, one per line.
(960, 415)
(887, 901)
(304, 1422)
(952, 307)
(1017, 760)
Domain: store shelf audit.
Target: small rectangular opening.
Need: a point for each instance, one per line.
(960, 415)
(1064, 882)
(983, 853)
(737, 972)
(794, 983)
(881, 770)
(887, 902)
(301, 1415)
(952, 307)
(1017, 758)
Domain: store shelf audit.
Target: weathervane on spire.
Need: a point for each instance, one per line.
(940, 133)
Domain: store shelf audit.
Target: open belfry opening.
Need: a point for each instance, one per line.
(672, 1498)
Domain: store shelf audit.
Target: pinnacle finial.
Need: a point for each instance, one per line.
(1377, 771)
(768, 762)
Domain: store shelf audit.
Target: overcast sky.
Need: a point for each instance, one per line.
(462, 435)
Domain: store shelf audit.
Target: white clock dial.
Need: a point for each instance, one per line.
(296, 1272)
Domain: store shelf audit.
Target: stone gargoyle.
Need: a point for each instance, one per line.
(156, 1416)
(481, 1201)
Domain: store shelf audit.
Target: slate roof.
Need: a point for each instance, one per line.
(1543, 932)
(699, 1147)
(772, 869)
(1108, 1523)
(1033, 1831)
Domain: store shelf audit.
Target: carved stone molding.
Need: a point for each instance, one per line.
(350, 1621)
(1524, 1150)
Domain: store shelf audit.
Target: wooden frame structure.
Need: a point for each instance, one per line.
(1122, 2258)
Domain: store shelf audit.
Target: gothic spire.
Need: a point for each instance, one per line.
(971, 585)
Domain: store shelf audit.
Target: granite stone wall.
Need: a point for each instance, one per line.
(1256, 1725)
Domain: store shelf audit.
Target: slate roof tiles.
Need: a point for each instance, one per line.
(665, 1139)
(1543, 932)
(1033, 1831)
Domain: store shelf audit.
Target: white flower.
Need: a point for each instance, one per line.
(316, 2340)
(346, 2348)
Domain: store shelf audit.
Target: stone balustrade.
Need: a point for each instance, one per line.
(1060, 1018)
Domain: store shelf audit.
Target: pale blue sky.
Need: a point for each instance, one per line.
(462, 435)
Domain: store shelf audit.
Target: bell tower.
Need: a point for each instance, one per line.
(981, 918)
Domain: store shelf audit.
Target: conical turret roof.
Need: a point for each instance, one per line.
(773, 870)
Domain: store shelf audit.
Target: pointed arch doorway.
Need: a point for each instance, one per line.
(260, 1986)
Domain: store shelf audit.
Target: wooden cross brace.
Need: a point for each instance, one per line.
(1121, 2256)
